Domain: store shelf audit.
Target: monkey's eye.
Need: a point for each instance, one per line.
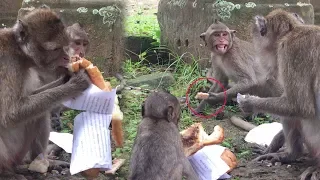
(225, 34)
(78, 43)
(57, 49)
(216, 34)
(85, 44)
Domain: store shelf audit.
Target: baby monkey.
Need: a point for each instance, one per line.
(157, 150)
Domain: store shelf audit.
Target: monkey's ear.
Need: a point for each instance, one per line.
(43, 6)
(261, 24)
(203, 37)
(20, 30)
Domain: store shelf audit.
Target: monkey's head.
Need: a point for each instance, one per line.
(79, 41)
(42, 37)
(162, 105)
(218, 38)
(274, 26)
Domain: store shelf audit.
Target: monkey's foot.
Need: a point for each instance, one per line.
(282, 157)
(312, 172)
(201, 95)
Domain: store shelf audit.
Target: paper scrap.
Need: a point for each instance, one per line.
(93, 99)
(63, 140)
(208, 164)
(91, 143)
(264, 133)
(91, 146)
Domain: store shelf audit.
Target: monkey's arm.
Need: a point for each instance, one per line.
(280, 106)
(56, 83)
(34, 106)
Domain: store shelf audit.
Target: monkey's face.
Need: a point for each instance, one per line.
(42, 37)
(78, 47)
(220, 42)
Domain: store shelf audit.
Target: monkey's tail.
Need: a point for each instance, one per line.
(122, 82)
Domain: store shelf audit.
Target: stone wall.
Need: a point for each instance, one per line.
(182, 21)
(316, 6)
(102, 19)
(8, 12)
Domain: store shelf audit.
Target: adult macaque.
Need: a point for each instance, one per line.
(266, 86)
(298, 74)
(158, 150)
(37, 41)
(78, 47)
(231, 58)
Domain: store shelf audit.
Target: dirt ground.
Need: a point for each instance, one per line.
(245, 169)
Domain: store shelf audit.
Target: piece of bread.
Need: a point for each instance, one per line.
(195, 138)
(98, 80)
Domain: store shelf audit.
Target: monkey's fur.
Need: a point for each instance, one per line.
(237, 64)
(157, 151)
(36, 42)
(297, 52)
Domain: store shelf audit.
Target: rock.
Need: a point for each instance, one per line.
(182, 21)
(8, 12)
(316, 7)
(153, 80)
(103, 20)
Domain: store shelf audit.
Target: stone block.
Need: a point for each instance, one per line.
(102, 19)
(153, 80)
(316, 6)
(8, 12)
(182, 21)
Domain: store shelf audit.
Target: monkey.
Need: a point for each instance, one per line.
(79, 45)
(297, 52)
(157, 151)
(266, 86)
(231, 58)
(37, 42)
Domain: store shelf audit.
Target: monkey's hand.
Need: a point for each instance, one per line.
(312, 172)
(245, 102)
(79, 81)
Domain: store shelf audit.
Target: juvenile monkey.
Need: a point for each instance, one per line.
(231, 58)
(157, 150)
(37, 42)
(298, 73)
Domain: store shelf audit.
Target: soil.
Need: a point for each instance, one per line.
(245, 170)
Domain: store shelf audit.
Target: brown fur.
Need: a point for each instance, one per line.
(297, 52)
(37, 41)
(157, 150)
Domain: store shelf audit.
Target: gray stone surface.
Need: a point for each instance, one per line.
(153, 80)
(102, 19)
(182, 21)
(8, 12)
(316, 6)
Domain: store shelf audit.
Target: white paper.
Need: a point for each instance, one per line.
(208, 164)
(63, 140)
(93, 99)
(92, 146)
(264, 133)
(91, 135)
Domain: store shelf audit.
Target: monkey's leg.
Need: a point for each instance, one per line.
(40, 144)
(313, 172)
(294, 142)
(276, 143)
